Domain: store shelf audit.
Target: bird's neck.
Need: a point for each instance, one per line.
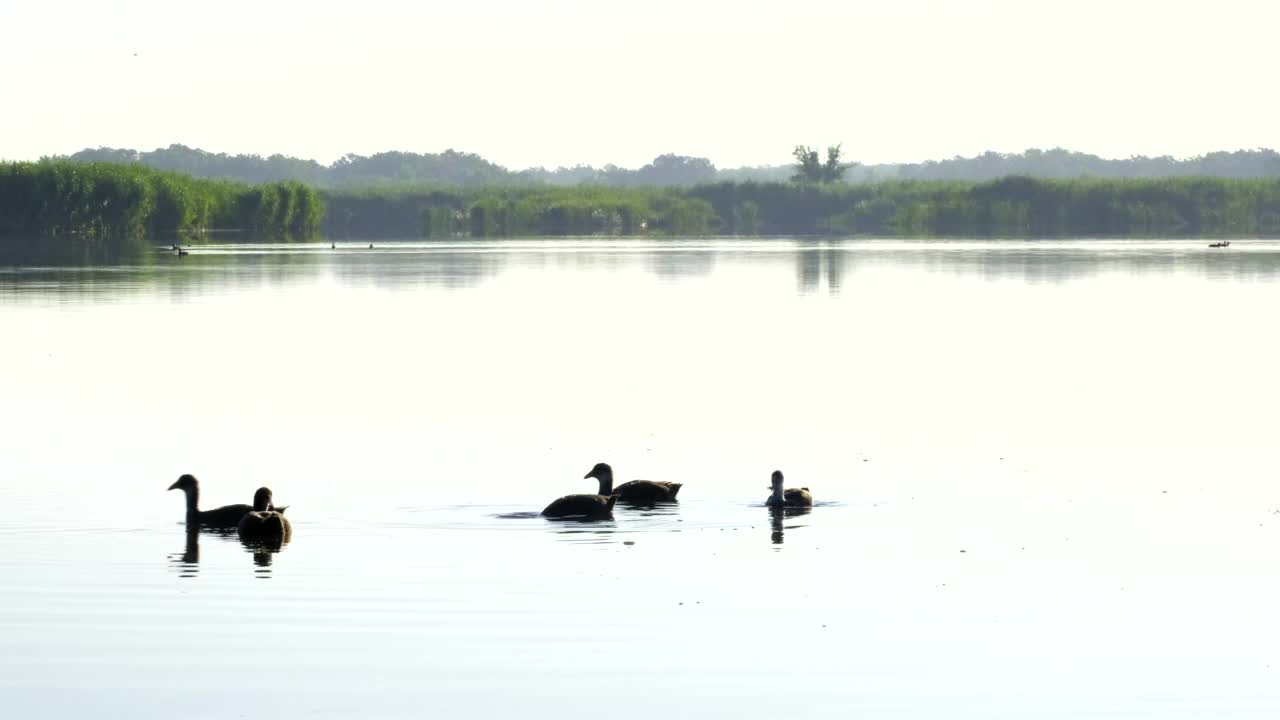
(606, 483)
(777, 494)
(193, 499)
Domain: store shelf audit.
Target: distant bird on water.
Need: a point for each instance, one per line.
(790, 497)
(634, 491)
(263, 522)
(227, 516)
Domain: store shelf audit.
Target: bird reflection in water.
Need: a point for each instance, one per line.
(777, 516)
(584, 530)
(264, 551)
(187, 562)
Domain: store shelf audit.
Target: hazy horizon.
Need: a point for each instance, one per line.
(570, 82)
(781, 163)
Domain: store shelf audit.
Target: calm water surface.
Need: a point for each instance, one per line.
(1047, 476)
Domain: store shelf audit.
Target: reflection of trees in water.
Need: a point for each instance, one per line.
(818, 262)
(84, 272)
(74, 251)
(1060, 263)
(679, 264)
(417, 267)
(159, 271)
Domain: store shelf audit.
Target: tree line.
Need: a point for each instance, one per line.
(113, 201)
(461, 169)
(1015, 206)
(110, 201)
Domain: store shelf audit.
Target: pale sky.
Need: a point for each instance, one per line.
(563, 82)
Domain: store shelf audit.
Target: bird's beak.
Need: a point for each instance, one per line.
(174, 486)
(588, 475)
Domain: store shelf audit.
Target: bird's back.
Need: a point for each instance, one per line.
(227, 516)
(580, 506)
(264, 524)
(647, 491)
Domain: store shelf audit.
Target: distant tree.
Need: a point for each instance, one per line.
(809, 168)
(671, 169)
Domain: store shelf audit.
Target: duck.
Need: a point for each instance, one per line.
(634, 491)
(591, 507)
(262, 522)
(791, 497)
(227, 516)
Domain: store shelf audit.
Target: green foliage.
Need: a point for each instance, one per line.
(118, 202)
(52, 198)
(1008, 207)
(810, 169)
(517, 211)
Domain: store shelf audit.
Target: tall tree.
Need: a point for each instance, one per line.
(810, 168)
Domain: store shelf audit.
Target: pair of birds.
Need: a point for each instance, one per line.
(262, 520)
(648, 492)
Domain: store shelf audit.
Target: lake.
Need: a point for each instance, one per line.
(1046, 477)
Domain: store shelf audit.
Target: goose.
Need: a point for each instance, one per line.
(264, 523)
(634, 491)
(595, 507)
(227, 516)
(791, 497)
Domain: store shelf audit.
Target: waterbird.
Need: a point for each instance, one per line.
(634, 491)
(594, 507)
(227, 516)
(263, 522)
(790, 497)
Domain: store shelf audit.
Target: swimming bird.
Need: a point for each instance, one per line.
(595, 507)
(634, 491)
(264, 523)
(791, 497)
(227, 516)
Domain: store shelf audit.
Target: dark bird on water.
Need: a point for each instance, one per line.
(227, 516)
(634, 491)
(264, 522)
(593, 507)
(790, 497)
